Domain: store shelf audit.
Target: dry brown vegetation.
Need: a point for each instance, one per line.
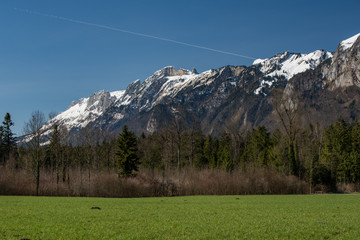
(153, 183)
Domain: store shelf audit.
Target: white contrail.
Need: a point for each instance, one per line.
(129, 32)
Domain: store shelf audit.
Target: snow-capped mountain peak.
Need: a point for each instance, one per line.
(169, 71)
(289, 64)
(117, 94)
(81, 112)
(286, 65)
(161, 75)
(348, 43)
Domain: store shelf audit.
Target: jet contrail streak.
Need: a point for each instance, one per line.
(130, 32)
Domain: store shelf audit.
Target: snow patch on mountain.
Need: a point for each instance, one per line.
(258, 61)
(86, 110)
(117, 94)
(348, 43)
(298, 63)
(173, 85)
(119, 116)
(163, 83)
(263, 84)
(287, 65)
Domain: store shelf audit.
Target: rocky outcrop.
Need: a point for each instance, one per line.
(345, 67)
(332, 89)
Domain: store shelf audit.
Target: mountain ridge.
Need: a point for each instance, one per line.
(214, 97)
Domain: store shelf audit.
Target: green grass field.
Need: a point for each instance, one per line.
(200, 217)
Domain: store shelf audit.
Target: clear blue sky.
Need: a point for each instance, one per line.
(46, 63)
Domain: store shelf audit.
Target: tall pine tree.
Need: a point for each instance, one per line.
(8, 140)
(224, 153)
(127, 156)
(336, 151)
(260, 143)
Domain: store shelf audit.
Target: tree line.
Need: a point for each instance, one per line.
(320, 156)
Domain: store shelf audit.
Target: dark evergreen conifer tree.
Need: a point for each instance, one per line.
(208, 154)
(337, 144)
(261, 145)
(127, 153)
(224, 153)
(355, 153)
(8, 140)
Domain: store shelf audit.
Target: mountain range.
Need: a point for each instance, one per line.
(325, 85)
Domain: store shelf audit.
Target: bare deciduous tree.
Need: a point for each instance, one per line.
(52, 114)
(33, 130)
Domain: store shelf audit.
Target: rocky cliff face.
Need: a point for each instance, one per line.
(345, 68)
(229, 98)
(332, 89)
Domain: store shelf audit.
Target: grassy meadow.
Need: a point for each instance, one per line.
(198, 217)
